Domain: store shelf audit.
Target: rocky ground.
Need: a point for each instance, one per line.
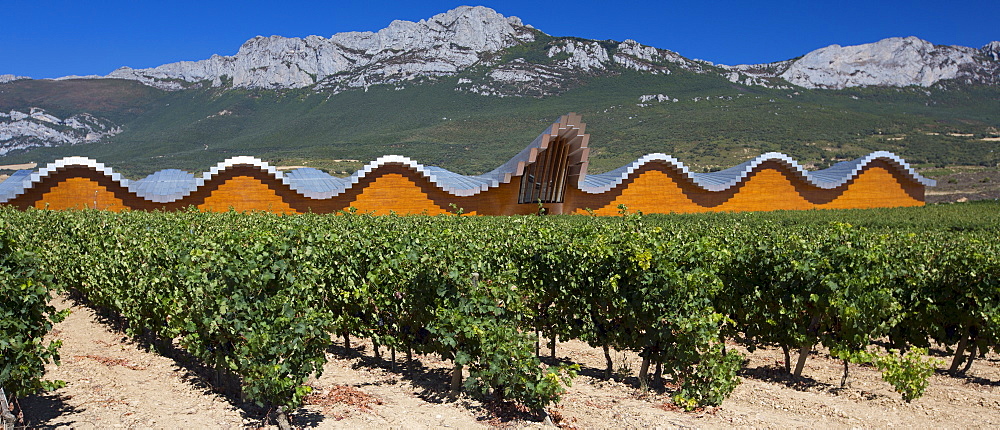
(112, 382)
(961, 184)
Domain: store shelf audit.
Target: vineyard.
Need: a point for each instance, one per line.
(260, 298)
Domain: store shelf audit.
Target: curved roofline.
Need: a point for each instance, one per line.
(242, 160)
(435, 177)
(462, 186)
(171, 185)
(37, 177)
(65, 162)
(68, 162)
(723, 180)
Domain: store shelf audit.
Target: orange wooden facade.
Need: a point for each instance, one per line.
(552, 170)
(653, 189)
(660, 189)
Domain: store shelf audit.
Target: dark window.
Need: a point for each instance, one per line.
(544, 181)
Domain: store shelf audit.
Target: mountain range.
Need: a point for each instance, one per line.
(434, 88)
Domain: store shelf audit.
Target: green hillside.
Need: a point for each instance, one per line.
(434, 124)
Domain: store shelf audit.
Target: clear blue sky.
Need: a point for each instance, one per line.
(46, 39)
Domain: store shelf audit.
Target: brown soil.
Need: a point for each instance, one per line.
(965, 184)
(113, 382)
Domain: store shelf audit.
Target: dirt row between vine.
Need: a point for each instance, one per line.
(113, 382)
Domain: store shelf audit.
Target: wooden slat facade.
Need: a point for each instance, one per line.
(549, 178)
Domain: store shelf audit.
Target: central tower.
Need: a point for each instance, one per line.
(560, 157)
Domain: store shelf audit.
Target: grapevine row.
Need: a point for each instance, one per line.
(262, 297)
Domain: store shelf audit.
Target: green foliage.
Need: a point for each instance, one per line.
(25, 318)
(251, 308)
(824, 285)
(497, 367)
(908, 373)
(534, 52)
(949, 287)
(258, 296)
(713, 379)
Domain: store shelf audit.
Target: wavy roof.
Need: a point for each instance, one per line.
(829, 178)
(167, 186)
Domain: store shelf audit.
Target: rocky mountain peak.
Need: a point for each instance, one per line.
(440, 45)
(34, 127)
(474, 28)
(992, 50)
(11, 78)
(468, 38)
(896, 61)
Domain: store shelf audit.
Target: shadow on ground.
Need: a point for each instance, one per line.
(42, 411)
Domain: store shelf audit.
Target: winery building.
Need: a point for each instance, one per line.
(549, 175)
